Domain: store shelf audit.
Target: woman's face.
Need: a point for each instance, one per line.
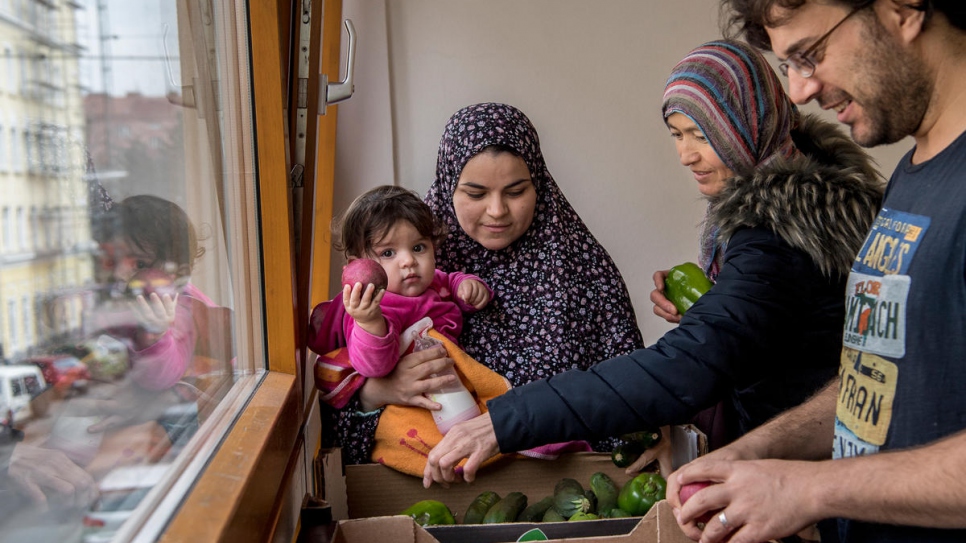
(495, 199)
(696, 153)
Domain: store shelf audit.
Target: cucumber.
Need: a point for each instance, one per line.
(606, 490)
(616, 512)
(626, 453)
(535, 511)
(592, 498)
(569, 502)
(507, 509)
(568, 483)
(647, 438)
(479, 506)
(552, 516)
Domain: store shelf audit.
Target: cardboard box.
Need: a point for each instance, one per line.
(375, 496)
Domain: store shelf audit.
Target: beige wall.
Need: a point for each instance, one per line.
(590, 76)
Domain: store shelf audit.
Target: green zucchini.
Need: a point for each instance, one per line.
(479, 506)
(569, 502)
(626, 453)
(507, 509)
(535, 511)
(606, 490)
(647, 438)
(552, 516)
(567, 482)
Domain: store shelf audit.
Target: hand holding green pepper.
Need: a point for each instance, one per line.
(684, 284)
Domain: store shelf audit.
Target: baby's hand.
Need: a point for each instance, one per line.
(362, 304)
(473, 293)
(156, 313)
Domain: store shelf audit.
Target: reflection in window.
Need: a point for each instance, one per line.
(119, 287)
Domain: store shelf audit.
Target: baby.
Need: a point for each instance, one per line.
(392, 226)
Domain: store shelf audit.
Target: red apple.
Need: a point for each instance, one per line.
(365, 271)
(151, 280)
(691, 489)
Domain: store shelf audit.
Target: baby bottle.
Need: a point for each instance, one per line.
(458, 404)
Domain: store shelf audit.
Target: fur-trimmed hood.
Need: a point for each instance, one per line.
(822, 203)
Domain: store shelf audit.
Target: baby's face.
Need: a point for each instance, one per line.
(408, 258)
(121, 259)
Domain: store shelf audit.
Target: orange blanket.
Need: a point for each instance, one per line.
(405, 435)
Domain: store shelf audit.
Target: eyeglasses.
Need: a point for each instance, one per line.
(804, 61)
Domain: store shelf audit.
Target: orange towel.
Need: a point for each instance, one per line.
(405, 435)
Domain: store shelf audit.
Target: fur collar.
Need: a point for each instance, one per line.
(822, 203)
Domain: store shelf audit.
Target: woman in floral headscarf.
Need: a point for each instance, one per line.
(559, 301)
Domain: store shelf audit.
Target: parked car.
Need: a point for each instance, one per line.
(20, 386)
(121, 490)
(65, 373)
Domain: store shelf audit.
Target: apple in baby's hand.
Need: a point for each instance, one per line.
(365, 271)
(151, 280)
(691, 489)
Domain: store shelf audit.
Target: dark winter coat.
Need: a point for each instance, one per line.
(763, 339)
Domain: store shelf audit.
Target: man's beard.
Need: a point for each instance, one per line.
(895, 92)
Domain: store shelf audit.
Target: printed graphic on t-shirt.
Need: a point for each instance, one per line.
(875, 313)
(875, 324)
(867, 387)
(847, 444)
(892, 243)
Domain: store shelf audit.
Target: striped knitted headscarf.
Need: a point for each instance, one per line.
(728, 89)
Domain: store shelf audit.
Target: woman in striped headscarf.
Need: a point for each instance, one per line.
(790, 201)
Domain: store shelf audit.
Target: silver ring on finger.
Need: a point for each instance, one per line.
(723, 520)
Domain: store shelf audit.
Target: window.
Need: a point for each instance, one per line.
(12, 320)
(130, 188)
(7, 224)
(21, 229)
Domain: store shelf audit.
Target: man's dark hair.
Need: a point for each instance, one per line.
(748, 18)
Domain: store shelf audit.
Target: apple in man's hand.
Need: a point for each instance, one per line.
(691, 489)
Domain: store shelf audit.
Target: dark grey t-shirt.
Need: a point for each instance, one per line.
(903, 373)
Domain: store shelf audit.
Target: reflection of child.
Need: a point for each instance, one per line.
(151, 241)
(394, 227)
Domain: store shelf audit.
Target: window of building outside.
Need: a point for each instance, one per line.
(126, 158)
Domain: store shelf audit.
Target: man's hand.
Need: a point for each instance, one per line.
(473, 293)
(474, 440)
(662, 306)
(761, 499)
(415, 375)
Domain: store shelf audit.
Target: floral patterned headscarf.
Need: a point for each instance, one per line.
(560, 302)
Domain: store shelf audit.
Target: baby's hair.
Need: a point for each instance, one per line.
(159, 227)
(370, 216)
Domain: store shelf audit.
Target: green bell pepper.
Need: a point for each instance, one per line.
(640, 493)
(685, 283)
(430, 512)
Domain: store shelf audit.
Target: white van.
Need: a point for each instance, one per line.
(19, 384)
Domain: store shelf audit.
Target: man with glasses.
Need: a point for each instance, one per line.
(896, 417)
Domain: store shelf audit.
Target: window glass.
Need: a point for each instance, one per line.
(128, 314)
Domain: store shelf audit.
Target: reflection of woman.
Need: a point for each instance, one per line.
(560, 302)
(791, 200)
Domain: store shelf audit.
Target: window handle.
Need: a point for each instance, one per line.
(333, 93)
